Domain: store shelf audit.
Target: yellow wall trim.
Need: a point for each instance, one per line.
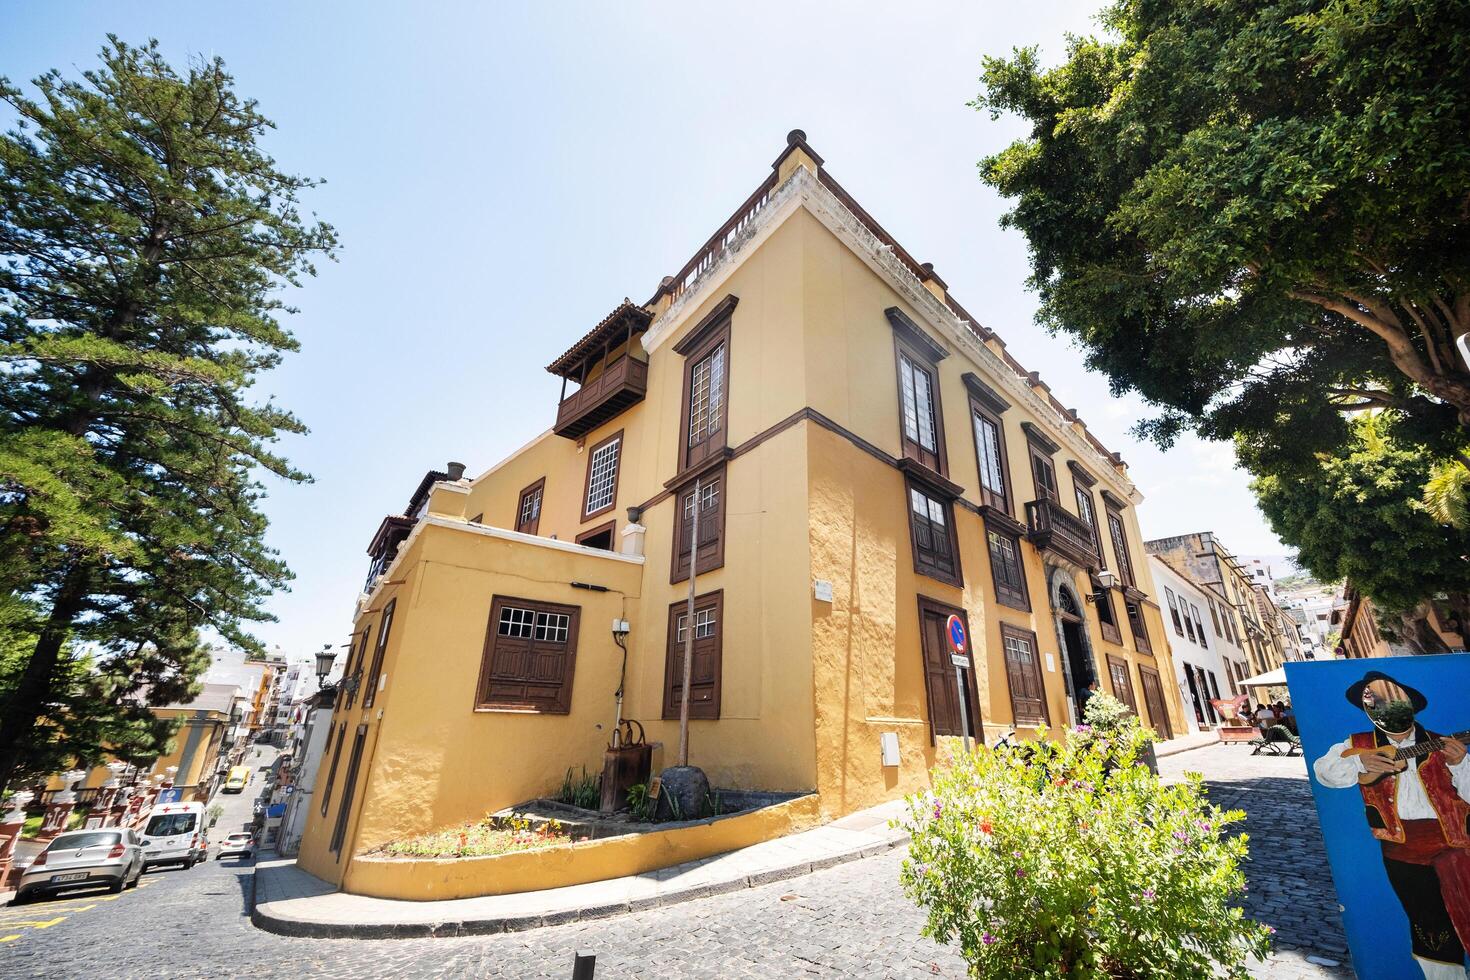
(433, 879)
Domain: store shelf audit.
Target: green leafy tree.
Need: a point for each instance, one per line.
(144, 235)
(1255, 213)
(1357, 516)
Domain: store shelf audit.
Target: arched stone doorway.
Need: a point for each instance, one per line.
(1079, 667)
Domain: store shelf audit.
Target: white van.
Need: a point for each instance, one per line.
(171, 835)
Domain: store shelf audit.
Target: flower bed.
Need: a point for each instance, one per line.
(482, 838)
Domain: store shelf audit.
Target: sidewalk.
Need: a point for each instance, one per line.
(1185, 742)
(290, 902)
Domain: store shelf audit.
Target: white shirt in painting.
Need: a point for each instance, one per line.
(1338, 772)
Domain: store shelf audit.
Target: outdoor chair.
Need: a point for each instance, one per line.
(1278, 740)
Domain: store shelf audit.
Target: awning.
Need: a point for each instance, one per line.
(1271, 678)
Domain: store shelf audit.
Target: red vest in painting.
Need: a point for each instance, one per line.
(1379, 798)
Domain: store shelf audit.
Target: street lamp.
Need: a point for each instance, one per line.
(1106, 581)
(324, 661)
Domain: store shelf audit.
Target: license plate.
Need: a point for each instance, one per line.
(154, 853)
(77, 876)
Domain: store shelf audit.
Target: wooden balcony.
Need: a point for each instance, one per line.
(619, 387)
(1050, 528)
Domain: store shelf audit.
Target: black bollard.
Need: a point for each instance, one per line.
(584, 966)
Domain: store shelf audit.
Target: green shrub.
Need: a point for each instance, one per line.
(585, 792)
(640, 804)
(1071, 860)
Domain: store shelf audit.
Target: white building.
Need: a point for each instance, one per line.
(1207, 663)
(298, 782)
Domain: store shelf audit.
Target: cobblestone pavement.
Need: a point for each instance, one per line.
(847, 921)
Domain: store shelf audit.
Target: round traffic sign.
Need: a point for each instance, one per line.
(955, 630)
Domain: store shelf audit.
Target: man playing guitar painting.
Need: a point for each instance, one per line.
(1416, 796)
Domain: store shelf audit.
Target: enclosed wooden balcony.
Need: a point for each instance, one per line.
(621, 385)
(1051, 528)
(607, 367)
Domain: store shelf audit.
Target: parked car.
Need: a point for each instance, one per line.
(170, 835)
(84, 858)
(239, 843)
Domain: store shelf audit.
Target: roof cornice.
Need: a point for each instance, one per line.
(803, 189)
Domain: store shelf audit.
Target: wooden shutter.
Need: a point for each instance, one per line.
(530, 656)
(940, 688)
(712, 491)
(370, 692)
(1023, 676)
(1153, 696)
(704, 681)
(528, 507)
(1122, 682)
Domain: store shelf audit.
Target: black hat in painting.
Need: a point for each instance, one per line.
(1355, 691)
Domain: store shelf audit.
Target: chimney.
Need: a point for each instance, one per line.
(455, 470)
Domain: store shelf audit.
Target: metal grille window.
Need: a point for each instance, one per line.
(918, 403)
(706, 396)
(602, 476)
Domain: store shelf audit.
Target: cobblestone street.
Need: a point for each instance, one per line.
(850, 920)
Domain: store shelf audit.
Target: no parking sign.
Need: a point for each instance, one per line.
(959, 654)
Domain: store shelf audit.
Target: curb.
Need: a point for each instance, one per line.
(282, 925)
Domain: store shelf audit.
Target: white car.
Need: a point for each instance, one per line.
(172, 833)
(241, 843)
(81, 859)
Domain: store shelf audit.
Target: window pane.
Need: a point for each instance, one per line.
(910, 409)
(919, 503)
(988, 439)
(706, 389)
(924, 396)
(601, 483)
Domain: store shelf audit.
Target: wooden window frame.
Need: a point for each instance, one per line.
(612, 499)
(699, 343)
(349, 790)
(609, 528)
(1173, 602)
(1214, 614)
(562, 704)
(1000, 500)
(534, 524)
(1087, 513)
(1127, 696)
(380, 650)
(354, 668)
(1138, 625)
(910, 448)
(946, 675)
(1041, 462)
(1199, 626)
(953, 576)
(1005, 594)
(674, 658)
(1103, 599)
(332, 770)
(1119, 540)
(1028, 636)
(1166, 729)
(715, 558)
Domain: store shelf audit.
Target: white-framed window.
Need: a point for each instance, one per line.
(704, 625)
(516, 622)
(602, 477)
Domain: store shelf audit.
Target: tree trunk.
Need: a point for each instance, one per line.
(26, 706)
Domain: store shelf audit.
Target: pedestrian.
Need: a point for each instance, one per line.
(1265, 717)
(1084, 697)
(1288, 718)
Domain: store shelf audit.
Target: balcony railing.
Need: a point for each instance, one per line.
(621, 385)
(1053, 529)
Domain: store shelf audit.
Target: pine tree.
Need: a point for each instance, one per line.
(144, 236)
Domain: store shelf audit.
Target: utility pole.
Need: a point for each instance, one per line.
(689, 634)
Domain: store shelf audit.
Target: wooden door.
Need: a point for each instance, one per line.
(1153, 696)
(939, 672)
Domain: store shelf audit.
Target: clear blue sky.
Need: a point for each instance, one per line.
(500, 179)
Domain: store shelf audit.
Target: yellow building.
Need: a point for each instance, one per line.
(869, 461)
